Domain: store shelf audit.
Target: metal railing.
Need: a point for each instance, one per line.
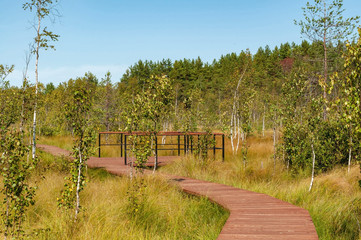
(186, 142)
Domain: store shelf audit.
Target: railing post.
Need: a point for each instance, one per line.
(185, 144)
(178, 145)
(222, 147)
(191, 137)
(99, 145)
(156, 151)
(198, 141)
(214, 145)
(125, 149)
(121, 145)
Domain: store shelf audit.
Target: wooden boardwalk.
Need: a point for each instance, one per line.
(253, 216)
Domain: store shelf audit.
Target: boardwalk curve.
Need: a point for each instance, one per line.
(253, 216)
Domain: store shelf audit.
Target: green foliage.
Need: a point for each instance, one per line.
(136, 197)
(352, 94)
(9, 107)
(18, 194)
(191, 115)
(105, 106)
(146, 111)
(204, 144)
(303, 126)
(14, 161)
(10, 104)
(351, 86)
(77, 107)
(330, 143)
(51, 117)
(4, 72)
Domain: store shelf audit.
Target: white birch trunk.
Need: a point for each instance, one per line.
(78, 183)
(234, 116)
(232, 133)
(238, 135)
(36, 85)
(155, 155)
(165, 128)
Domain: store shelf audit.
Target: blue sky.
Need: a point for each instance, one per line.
(98, 36)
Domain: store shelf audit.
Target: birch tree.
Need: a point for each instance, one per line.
(77, 107)
(352, 91)
(16, 193)
(155, 99)
(236, 131)
(42, 9)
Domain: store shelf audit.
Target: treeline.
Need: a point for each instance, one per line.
(279, 89)
(196, 86)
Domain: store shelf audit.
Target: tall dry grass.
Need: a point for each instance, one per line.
(334, 202)
(167, 213)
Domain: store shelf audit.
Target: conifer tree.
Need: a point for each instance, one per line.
(324, 22)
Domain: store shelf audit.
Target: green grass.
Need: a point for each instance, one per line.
(168, 213)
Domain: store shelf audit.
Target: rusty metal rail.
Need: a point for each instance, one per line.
(186, 142)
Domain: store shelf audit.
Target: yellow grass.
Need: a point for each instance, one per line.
(168, 213)
(334, 202)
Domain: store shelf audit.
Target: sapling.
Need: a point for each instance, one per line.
(77, 109)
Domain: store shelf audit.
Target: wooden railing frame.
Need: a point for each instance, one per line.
(187, 142)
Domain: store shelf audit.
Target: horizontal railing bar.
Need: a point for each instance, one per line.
(217, 148)
(161, 133)
(114, 144)
(182, 149)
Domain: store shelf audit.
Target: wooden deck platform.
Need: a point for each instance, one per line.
(253, 216)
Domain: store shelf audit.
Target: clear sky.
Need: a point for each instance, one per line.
(98, 36)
